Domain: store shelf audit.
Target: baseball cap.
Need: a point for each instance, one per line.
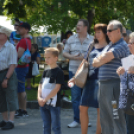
(25, 25)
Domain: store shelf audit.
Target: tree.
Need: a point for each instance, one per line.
(1, 4)
(62, 15)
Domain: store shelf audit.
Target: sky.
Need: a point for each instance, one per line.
(6, 23)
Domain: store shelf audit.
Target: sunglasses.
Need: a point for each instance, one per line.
(111, 30)
(16, 25)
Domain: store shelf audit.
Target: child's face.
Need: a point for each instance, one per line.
(50, 59)
(33, 49)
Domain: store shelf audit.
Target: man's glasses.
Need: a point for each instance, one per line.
(111, 30)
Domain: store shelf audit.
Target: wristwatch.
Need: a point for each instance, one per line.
(6, 78)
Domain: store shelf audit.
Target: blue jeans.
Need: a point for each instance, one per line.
(76, 98)
(51, 115)
(130, 124)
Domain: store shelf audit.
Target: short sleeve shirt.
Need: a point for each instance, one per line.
(120, 50)
(23, 44)
(74, 47)
(49, 80)
(8, 56)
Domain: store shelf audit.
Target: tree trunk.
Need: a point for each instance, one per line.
(90, 16)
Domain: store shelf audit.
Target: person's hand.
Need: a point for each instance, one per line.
(44, 100)
(96, 62)
(120, 70)
(78, 57)
(71, 81)
(41, 102)
(131, 70)
(4, 83)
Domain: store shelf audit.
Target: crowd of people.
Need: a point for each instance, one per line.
(111, 43)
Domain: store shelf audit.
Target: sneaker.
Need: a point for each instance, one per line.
(9, 125)
(89, 124)
(17, 112)
(2, 124)
(22, 113)
(73, 124)
(25, 114)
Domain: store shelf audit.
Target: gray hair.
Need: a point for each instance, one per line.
(116, 24)
(131, 35)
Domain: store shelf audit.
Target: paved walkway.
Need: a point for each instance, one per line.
(33, 124)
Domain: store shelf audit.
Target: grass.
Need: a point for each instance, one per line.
(32, 94)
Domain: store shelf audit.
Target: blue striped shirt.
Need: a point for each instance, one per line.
(108, 70)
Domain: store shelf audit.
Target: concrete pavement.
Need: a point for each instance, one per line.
(33, 124)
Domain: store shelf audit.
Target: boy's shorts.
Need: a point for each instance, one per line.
(21, 75)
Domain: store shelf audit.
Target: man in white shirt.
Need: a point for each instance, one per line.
(75, 49)
(8, 80)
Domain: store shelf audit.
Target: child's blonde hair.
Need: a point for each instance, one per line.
(53, 50)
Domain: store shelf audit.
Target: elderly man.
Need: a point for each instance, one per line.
(75, 48)
(8, 80)
(109, 61)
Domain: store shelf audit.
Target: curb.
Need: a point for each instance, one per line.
(35, 105)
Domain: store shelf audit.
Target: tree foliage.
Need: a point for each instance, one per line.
(62, 15)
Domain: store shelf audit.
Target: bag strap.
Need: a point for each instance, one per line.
(26, 43)
(90, 49)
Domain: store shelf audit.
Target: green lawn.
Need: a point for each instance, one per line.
(32, 94)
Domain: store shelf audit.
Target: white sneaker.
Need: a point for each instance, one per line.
(73, 124)
(89, 124)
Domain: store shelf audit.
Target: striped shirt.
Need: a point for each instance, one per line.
(108, 70)
(8, 56)
(74, 47)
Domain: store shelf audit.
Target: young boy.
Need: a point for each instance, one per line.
(49, 93)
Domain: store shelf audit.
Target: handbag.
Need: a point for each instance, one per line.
(82, 71)
(35, 70)
(26, 57)
(128, 101)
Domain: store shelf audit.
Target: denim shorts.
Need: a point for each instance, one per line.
(90, 94)
(21, 75)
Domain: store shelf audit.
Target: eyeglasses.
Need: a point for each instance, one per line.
(79, 25)
(131, 43)
(16, 25)
(111, 30)
(124, 34)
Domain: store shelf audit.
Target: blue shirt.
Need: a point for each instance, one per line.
(93, 72)
(34, 56)
(108, 70)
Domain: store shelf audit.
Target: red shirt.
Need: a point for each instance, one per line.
(23, 44)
